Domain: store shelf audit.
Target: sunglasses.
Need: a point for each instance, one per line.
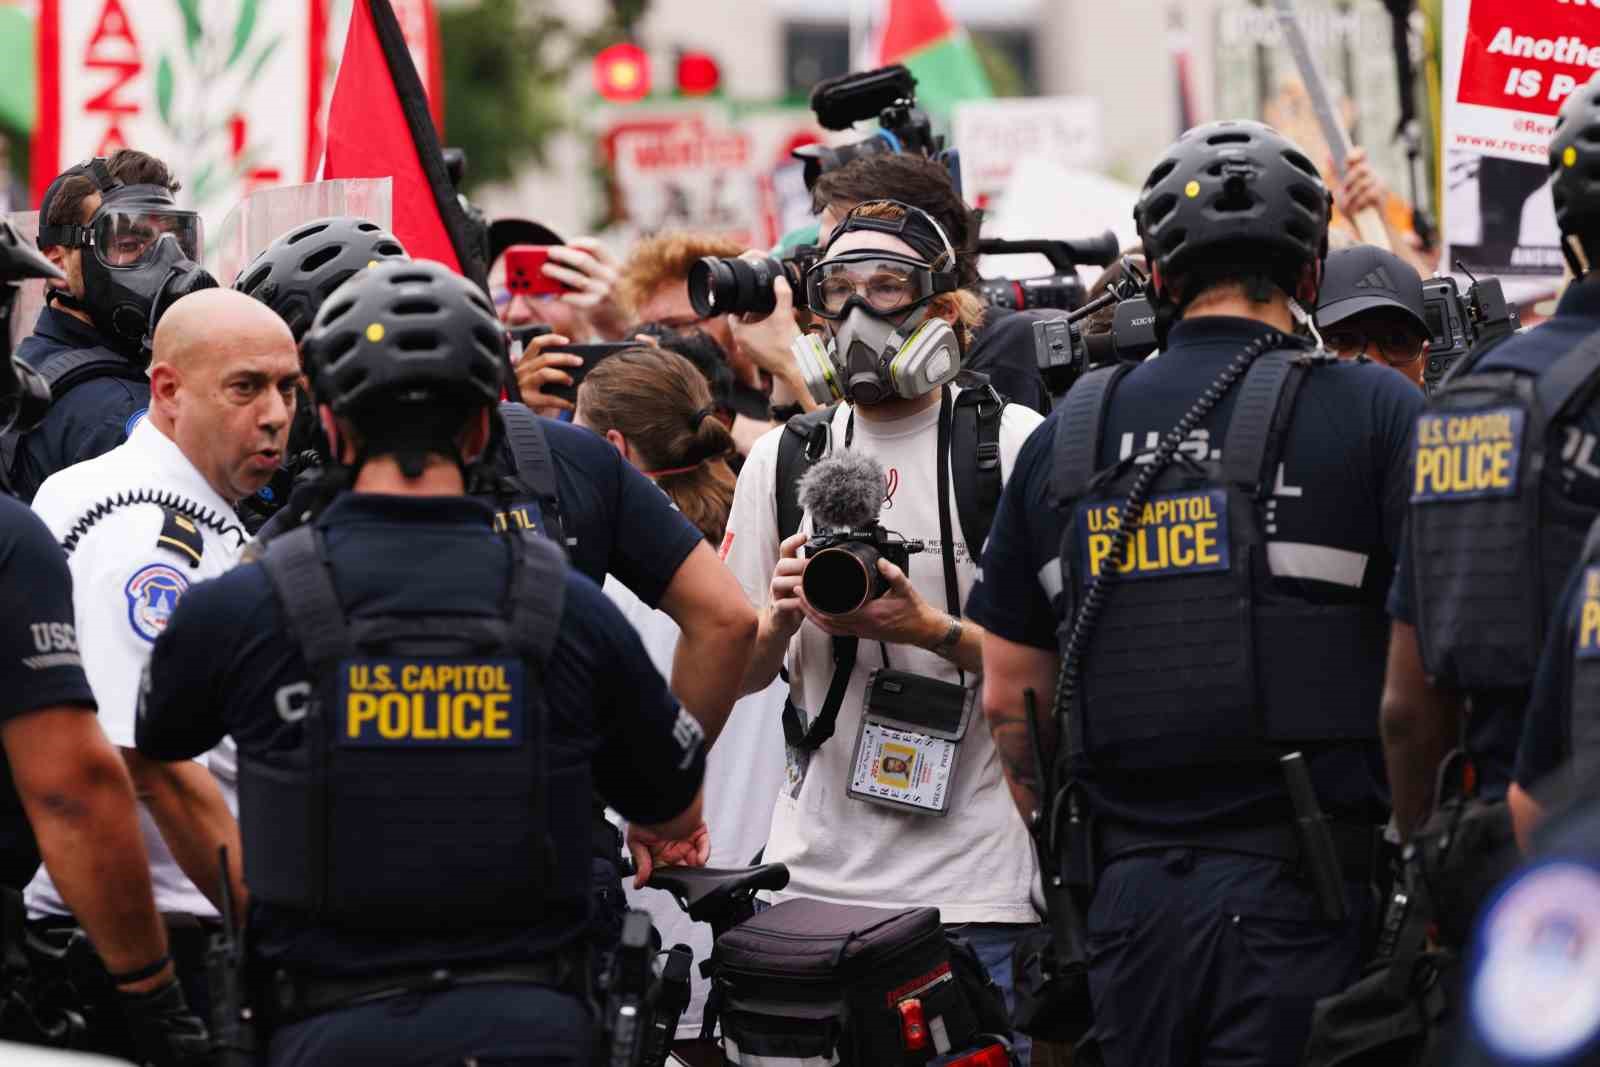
(1397, 346)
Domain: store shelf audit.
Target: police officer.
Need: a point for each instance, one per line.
(1489, 547)
(1236, 618)
(64, 792)
(609, 517)
(421, 709)
(127, 252)
(1531, 996)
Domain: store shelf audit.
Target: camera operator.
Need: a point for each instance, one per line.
(1007, 356)
(113, 228)
(887, 288)
(654, 288)
(1371, 305)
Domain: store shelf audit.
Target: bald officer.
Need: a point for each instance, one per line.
(142, 524)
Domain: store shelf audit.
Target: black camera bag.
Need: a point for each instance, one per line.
(812, 981)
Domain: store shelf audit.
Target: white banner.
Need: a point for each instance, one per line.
(993, 136)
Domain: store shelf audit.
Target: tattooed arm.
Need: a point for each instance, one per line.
(1008, 670)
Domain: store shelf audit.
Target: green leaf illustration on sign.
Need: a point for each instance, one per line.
(262, 58)
(242, 30)
(191, 24)
(164, 89)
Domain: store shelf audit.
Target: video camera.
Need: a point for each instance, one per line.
(1457, 323)
(888, 94)
(1062, 289)
(1064, 352)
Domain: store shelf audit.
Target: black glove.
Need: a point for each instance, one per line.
(165, 1032)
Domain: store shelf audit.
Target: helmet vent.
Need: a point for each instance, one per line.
(1159, 175)
(1229, 137)
(416, 340)
(415, 307)
(316, 260)
(1300, 162)
(1235, 195)
(308, 231)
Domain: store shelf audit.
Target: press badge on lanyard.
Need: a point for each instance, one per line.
(1466, 454)
(416, 702)
(909, 741)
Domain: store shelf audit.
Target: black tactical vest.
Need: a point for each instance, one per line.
(1583, 722)
(524, 494)
(417, 799)
(1200, 656)
(1492, 532)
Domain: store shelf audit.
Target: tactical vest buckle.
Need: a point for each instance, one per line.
(989, 455)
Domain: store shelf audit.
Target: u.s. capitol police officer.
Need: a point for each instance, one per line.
(64, 792)
(1507, 482)
(1532, 985)
(609, 517)
(421, 709)
(1239, 620)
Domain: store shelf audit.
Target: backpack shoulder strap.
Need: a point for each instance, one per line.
(64, 369)
(1078, 431)
(1260, 416)
(536, 469)
(1591, 545)
(1568, 377)
(805, 440)
(975, 461)
(297, 566)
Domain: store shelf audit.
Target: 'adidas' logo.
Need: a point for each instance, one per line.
(1376, 279)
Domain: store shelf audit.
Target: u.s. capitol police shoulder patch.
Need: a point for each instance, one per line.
(153, 594)
(1534, 994)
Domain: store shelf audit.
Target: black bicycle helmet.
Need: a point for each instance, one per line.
(296, 273)
(404, 334)
(20, 261)
(1231, 197)
(1575, 170)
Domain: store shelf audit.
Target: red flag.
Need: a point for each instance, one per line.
(379, 126)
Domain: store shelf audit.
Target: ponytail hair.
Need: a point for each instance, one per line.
(662, 405)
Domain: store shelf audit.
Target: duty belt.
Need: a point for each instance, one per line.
(292, 998)
(1355, 845)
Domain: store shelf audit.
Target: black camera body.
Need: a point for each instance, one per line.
(1457, 322)
(736, 286)
(1062, 290)
(888, 94)
(842, 575)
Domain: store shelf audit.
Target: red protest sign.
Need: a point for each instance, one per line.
(1527, 56)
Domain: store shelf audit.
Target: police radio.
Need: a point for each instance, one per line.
(1457, 323)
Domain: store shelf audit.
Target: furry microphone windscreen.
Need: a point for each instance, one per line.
(843, 492)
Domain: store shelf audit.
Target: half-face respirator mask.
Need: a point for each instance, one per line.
(140, 255)
(885, 343)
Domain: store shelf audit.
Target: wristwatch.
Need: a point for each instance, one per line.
(951, 638)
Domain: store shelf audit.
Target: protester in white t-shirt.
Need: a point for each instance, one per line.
(655, 408)
(887, 275)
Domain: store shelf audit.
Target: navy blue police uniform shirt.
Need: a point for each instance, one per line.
(1495, 727)
(39, 664)
(90, 419)
(1545, 745)
(1334, 518)
(225, 664)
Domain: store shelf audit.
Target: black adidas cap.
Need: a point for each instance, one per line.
(1364, 277)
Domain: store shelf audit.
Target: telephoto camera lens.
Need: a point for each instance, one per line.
(841, 579)
(733, 286)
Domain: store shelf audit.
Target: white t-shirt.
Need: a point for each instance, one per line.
(975, 864)
(743, 772)
(125, 584)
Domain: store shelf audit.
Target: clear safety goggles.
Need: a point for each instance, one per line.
(124, 236)
(883, 281)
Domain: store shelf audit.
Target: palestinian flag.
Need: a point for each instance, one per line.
(921, 35)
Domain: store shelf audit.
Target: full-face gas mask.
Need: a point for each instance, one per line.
(141, 255)
(886, 343)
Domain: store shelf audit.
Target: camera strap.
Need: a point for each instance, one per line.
(808, 737)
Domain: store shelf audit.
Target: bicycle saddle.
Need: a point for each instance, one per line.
(704, 892)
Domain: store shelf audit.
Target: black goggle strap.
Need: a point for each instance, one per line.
(71, 234)
(854, 220)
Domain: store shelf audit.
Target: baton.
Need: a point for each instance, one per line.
(1368, 223)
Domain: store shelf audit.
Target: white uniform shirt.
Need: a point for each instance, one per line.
(976, 863)
(124, 588)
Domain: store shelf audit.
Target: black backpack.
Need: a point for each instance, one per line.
(535, 471)
(975, 465)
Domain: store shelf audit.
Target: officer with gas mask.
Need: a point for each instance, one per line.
(64, 792)
(127, 252)
(888, 362)
(1190, 564)
(419, 740)
(1489, 547)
